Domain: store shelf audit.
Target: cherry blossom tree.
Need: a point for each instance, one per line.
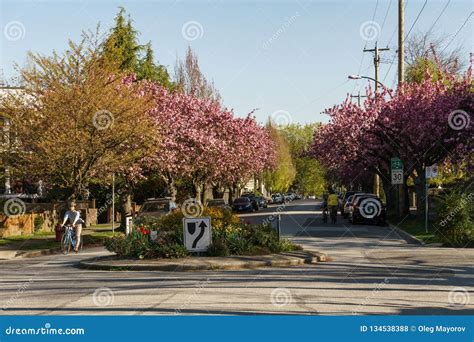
(203, 142)
(421, 123)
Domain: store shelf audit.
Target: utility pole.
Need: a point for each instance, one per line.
(113, 202)
(401, 76)
(401, 40)
(358, 96)
(376, 50)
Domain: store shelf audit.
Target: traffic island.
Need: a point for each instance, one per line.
(114, 263)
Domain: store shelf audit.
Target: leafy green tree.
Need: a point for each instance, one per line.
(147, 69)
(122, 45)
(282, 176)
(310, 175)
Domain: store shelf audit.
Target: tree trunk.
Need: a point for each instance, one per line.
(125, 207)
(207, 192)
(172, 191)
(404, 199)
(198, 191)
(390, 197)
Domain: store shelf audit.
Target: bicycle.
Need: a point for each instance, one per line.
(325, 214)
(69, 240)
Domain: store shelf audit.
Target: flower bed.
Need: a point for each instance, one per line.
(230, 236)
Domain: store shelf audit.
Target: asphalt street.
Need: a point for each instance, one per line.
(373, 271)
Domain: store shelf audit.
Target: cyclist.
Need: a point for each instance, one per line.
(333, 202)
(325, 200)
(74, 217)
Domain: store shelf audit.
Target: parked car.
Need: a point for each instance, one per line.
(346, 207)
(261, 201)
(367, 208)
(219, 203)
(356, 195)
(252, 197)
(343, 200)
(157, 207)
(278, 199)
(312, 197)
(243, 204)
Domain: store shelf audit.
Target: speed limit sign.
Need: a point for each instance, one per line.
(396, 167)
(397, 176)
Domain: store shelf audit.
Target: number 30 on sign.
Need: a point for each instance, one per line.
(397, 176)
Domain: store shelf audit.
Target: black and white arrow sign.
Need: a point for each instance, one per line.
(197, 233)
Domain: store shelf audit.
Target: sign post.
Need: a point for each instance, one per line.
(396, 171)
(430, 172)
(197, 233)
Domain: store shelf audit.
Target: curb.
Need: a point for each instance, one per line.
(406, 236)
(51, 251)
(111, 263)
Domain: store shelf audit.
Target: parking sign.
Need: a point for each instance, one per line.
(197, 233)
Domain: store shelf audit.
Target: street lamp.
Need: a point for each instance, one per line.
(358, 77)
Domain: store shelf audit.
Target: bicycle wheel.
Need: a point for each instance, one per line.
(66, 243)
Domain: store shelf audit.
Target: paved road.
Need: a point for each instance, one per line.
(373, 271)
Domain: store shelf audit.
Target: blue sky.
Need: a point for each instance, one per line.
(279, 56)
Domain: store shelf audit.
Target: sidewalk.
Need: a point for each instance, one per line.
(45, 243)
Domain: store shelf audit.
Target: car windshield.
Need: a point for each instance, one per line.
(242, 200)
(155, 206)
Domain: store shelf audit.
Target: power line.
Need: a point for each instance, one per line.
(390, 67)
(439, 16)
(375, 11)
(416, 20)
(365, 45)
(457, 32)
(386, 14)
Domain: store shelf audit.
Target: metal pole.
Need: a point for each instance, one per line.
(376, 52)
(278, 225)
(113, 203)
(426, 202)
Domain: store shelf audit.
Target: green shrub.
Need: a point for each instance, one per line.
(229, 236)
(455, 218)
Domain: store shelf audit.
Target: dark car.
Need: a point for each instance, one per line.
(253, 198)
(367, 208)
(261, 201)
(278, 199)
(217, 203)
(243, 204)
